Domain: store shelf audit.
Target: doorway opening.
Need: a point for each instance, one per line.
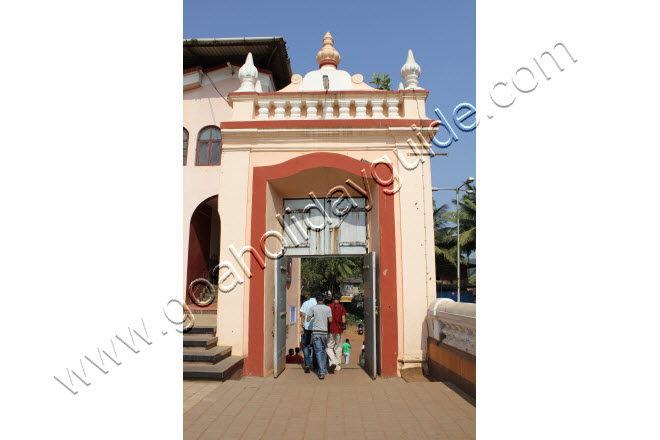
(203, 253)
(343, 281)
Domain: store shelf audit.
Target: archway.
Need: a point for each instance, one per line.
(264, 182)
(203, 246)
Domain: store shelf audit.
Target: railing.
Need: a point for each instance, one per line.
(454, 324)
(326, 108)
(332, 105)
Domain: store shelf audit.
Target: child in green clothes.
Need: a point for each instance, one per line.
(347, 350)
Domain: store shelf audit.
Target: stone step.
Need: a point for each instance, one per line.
(230, 367)
(200, 341)
(200, 330)
(210, 356)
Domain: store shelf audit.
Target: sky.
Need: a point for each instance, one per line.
(370, 37)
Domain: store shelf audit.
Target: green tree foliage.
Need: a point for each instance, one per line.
(468, 218)
(445, 240)
(445, 234)
(381, 82)
(323, 274)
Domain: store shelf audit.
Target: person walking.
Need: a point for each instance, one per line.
(347, 350)
(335, 331)
(307, 331)
(322, 316)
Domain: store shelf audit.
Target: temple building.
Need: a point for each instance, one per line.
(281, 166)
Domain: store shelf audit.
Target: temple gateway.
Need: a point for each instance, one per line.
(281, 166)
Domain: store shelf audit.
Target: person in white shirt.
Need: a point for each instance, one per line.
(322, 315)
(307, 331)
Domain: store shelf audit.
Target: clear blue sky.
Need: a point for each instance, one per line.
(371, 37)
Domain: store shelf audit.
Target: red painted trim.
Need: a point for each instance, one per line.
(254, 363)
(327, 123)
(389, 323)
(327, 62)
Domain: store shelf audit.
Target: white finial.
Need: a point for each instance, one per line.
(411, 71)
(400, 86)
(248, 75)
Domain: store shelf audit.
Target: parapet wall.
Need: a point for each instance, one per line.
(452, 342)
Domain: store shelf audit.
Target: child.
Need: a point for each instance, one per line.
(347, 350)
(297, 359)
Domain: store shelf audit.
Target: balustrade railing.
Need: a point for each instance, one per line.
(454, 324)
(322, 106)
(343, 108)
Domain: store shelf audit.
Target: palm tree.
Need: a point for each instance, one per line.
(468, 220)
(445, 242)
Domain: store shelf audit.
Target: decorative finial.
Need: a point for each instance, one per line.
(328, 55)
(400, 86)
(411, 71)
(248, 75)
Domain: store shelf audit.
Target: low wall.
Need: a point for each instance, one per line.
(452, 341)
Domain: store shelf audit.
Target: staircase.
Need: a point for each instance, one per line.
(203, 358)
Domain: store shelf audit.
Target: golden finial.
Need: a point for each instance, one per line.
(328, 55)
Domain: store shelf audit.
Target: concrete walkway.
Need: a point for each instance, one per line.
(346, 405)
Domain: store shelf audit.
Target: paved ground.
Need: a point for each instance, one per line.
(349, 405)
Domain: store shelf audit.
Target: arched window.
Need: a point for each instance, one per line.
(185, 146)
(208, 146)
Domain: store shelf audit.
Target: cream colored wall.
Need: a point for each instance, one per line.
(417, 257)
(233, 209)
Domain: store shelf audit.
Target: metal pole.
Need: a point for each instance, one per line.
(458, 248)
